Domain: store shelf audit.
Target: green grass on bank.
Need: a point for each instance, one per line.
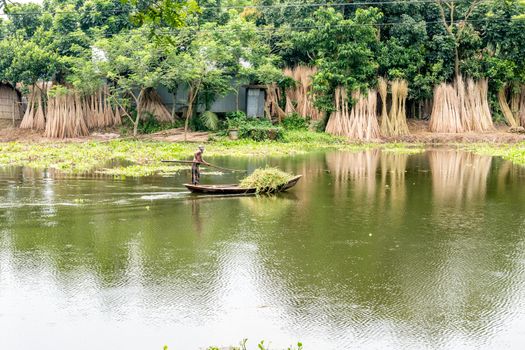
(143, 158)
(514, 152)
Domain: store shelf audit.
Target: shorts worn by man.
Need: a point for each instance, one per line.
(197, 159)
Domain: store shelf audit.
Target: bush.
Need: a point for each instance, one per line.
(253, 128)
(235, 120)
(295, 122)
(209, 120)
(319, 125)
(261, 132)
(150, 125)
(311, 137)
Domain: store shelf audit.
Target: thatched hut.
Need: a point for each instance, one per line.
(10, 105)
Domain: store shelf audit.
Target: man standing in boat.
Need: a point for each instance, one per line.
(197, 160)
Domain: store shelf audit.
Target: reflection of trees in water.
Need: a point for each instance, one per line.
(458, 177)
(393, 183)
(458, 272)
(319, 264)
(509, 175)
(358, 171)
(354, 169)
(436, 279)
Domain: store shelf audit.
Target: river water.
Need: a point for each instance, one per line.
(371, 250)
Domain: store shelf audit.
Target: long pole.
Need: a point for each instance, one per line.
(206, 164)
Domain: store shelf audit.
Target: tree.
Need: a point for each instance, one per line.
(454, 16)
(161, 14)
(402, 55)
(132, 64)
(504, 39)
(24, 61)
(343, 51)
(25, 17)
(217, 59)
(106, 16)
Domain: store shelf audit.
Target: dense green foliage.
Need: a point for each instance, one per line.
(295, 122)
(213, 47)
(253, 128)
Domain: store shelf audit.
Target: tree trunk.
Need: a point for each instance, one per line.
(139, 112)
(136, 126)
(456, 58)
(189, 112)
(174, 105)
(186, 122)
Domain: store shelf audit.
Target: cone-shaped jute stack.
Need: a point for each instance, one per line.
(461, 107)
(358, 122)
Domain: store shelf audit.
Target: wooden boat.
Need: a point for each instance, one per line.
(235, 189)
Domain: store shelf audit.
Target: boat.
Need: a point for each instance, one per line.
(236, 190)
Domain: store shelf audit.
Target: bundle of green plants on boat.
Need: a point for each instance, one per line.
(266, 180)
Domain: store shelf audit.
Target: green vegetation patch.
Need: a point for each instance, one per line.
(141, 170)
(514, 153)
(79, 158)
(143, 158)
(402, 148)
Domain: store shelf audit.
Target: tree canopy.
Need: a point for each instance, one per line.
(213, 45)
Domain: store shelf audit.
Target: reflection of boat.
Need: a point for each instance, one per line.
(235, 189)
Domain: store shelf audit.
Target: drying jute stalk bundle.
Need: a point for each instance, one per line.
(300, 99)
(271, 107)
(520, 108)
(382, 89)
(446, 116)
(65, 116)
(98, 112)
(461, 107)
(150, 102)
(358, 122)
(515, 112)
(34, 117)
(395, 122)
(477, 96)
(505, 108)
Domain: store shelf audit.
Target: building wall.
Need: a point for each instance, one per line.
(9, 103)
(224, 104)
(7, 123)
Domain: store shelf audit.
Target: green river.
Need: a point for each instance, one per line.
(371, 250)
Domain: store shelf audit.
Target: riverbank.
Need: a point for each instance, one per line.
(419, 134)
(142, 157)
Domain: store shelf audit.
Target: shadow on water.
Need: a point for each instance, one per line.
(374, 249)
